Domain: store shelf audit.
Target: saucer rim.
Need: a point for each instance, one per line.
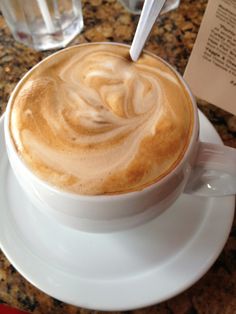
(230, 209)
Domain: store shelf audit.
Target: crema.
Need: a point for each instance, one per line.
(90, 121)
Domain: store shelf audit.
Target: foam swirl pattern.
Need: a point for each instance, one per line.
(92, 122)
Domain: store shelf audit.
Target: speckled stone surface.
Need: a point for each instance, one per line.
(172, 38)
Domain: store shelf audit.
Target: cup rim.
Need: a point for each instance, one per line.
(103, 197)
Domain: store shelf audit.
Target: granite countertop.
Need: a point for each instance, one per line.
(172, 38)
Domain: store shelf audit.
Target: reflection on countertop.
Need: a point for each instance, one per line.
(172, 39)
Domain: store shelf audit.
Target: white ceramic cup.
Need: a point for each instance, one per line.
(205, 169)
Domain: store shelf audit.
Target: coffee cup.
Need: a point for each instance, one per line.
(125, 165)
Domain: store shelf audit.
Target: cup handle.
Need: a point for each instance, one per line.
(214, 171)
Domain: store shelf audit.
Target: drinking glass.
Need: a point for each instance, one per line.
(43, 24)
(135, 6)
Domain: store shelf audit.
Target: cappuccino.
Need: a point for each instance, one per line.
(90, 121)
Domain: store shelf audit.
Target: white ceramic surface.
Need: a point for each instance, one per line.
(102, 213)
(105, 213)
(115, 271)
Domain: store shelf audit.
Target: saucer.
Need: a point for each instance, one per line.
(113, 271)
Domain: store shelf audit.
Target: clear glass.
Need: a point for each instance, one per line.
(43, 24)
(135, 6)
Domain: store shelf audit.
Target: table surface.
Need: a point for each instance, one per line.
(172, 38)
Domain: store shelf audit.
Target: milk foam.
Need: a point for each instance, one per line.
(92, 122)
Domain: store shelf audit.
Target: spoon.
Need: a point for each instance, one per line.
(151, 10)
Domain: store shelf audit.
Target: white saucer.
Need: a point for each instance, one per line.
(118, 271)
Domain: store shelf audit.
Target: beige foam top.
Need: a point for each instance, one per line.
(91, 121)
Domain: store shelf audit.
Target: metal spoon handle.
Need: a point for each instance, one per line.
(151, 10)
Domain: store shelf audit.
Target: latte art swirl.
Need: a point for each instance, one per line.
(90, 121)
